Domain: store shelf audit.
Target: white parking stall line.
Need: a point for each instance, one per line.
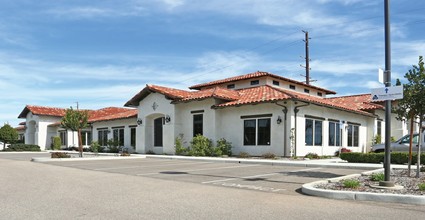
(256, 176)
(216, 168)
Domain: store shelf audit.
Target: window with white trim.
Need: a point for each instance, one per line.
(63, 136)
(257, 131)
(313, 132)
(86, 137)
(352, 135)
(334, 134)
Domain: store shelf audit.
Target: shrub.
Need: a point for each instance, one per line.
(125, 154)
(23, 147)
(312, 156)
(95, 146)
(201, 146)
(178, 145)
(421, 186)
(377, 177)
(60, 155)
(269, 156)
(223, 147)
(351, 183)
(422, 169)
(377, 139)
(396, 157)
(113, 146)
(244, 155)
(342, 150)
(56, 143)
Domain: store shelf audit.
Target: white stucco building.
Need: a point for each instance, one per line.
(259, 113)
(43, 123)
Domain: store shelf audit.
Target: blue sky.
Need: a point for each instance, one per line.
(100, 53)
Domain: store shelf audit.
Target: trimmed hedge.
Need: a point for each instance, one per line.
(396, 157)
(23, 147)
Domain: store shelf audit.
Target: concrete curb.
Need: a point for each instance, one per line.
(309, 189)
(48, 159)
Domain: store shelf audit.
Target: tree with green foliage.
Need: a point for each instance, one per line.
(8, 135)
(412, 105)
(76, 120)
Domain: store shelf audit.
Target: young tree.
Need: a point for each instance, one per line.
(413, 103)
(76, 120)
(8, 135)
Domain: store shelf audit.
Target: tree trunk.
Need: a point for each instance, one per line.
(80, 143)
(418, 164)
(410, 146)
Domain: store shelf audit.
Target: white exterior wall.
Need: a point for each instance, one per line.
(38, 132)
(147, 113)
(231, 127)
(327, 113)
(125, 123)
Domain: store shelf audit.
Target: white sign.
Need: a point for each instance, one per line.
(387, 93)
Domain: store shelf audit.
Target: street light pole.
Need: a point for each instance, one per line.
(387, 160)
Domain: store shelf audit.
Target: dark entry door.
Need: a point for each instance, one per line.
(157, 131)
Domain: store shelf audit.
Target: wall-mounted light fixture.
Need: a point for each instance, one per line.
(167, 119)
(279, 120)
(139, 121)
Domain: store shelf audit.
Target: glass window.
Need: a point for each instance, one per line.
(102, 136)
(313, 132)
(231, 86)
(276, 83)
(292, 87)
(352, 135)
(257, 131)
(255, 82)
(249, 132)
(86, 137)
(264, 131)
(63, 136)
(133, 137)
(306, 90)
(157, 132)
(334, 134)
(198, 124)
(319, 94)
(379, 128)
(118, 136)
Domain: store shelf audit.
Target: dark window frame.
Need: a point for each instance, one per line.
(353, 135)
(335, 136)
(198, 124)
(255, 82)
(257, 132)
(315, 136)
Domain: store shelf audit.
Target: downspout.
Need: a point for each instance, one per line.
(285, 112)
(296, 110)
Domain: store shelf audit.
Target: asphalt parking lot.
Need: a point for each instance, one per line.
(264, 178)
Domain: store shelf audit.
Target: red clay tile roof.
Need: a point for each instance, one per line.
(104, 114)
(262, 94)
(216, 92)
(258, 94)
(361, 102)
(111, 113)
(42, 110)
(20, 128)
(256, 75)
(170, 93)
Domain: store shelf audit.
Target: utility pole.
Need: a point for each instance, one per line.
(387, 79)
(307, 60)
(77, 104)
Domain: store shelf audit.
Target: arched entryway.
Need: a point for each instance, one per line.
(30, 132)
(154, 133)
